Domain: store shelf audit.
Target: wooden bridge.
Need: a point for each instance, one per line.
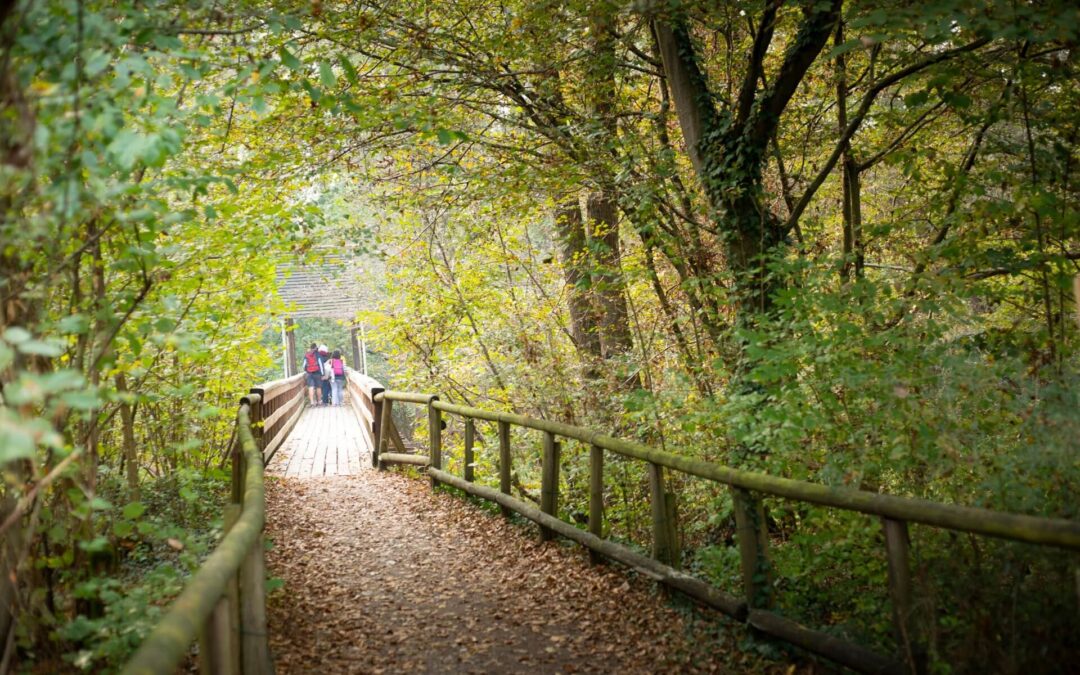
(223, 606)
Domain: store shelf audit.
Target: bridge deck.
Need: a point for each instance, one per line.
(326, 441)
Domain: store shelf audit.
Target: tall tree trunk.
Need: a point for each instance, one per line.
(601, 207)
(574, 253)
(603, 222)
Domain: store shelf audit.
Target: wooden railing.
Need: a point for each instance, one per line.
(754, 604)
(362, 390)
(223, 606)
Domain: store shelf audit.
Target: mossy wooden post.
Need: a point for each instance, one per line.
(386, 420)
(504, 463)
(219, 635)
(237, 472)
(232, 596)
(256, 408)
(753, 548)
(596, 497)
(434, 438)
(908, 635)
(549, 482)
(665, 541)
(255, 648)
(470, 438)
(376, 428)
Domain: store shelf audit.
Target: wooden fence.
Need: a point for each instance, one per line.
(223, 606)
(753, 605)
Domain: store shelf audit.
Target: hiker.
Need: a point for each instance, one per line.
(324, 358)
(313, 374)
(337, 385)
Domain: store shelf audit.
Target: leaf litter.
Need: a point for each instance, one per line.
(383, 575)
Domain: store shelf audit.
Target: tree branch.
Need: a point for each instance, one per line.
(757, 60)
(857, 120)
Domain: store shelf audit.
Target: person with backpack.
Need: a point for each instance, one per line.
(313, 374)
(337, 369)
(324, 358)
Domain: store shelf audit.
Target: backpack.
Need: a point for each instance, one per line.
(339, 367)
(312, 364)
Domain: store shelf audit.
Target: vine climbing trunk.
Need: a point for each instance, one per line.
(728, 148)
(603, 218)
(573, 251)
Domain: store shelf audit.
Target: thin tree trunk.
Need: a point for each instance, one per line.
(131, 451)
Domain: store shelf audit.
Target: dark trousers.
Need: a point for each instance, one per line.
(326, 391)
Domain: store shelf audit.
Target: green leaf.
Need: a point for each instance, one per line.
(290, 61)
(134, 510)
(81, 400)
(16, 335)
(15, 442)
(49, 348)
(95, 545)
(76, 324)
(326, 75)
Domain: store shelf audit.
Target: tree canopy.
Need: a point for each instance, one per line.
(830, 240)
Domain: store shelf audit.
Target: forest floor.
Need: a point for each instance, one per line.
(383, 575)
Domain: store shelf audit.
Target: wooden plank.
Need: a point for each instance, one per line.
(846, 653)
(287, 408)
(397, 458)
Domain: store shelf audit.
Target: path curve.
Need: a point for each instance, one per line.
(383, 575)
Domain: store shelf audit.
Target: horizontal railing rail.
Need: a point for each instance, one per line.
(223, 605)
(748, 489)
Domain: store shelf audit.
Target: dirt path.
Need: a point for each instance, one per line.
(383, 575)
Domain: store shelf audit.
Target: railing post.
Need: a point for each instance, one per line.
(665, 532)
(218, 637)
(291, 366)
(504, 463)
(255, 411)
(232, 598)
(255, 647)
(596, 496)
(384, 431)
(470, 438)
(549, 482)
(908, 635)
(237, 471)
(753, 548)
(355, 349)
(376, 425)
(434, 438)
